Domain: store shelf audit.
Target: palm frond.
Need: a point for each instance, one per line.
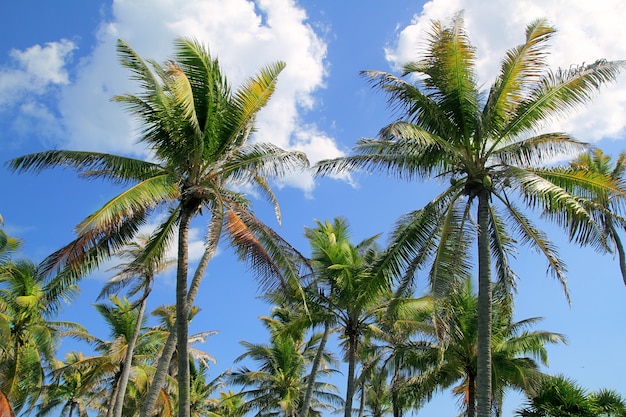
(559, 93)
(521, 68)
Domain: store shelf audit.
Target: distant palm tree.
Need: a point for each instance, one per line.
(198, 130)
(139, 272)
(278, 387)
(516, 351)
(488, 145)
(29, 335)
(8, 245)
(562, 397)
(607, 212)
(348, 287)
(392, 355)
(71, 392)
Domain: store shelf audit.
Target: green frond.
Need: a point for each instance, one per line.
(411, 157)
(261, 159)
(253, 95)
(139, 198)
(449, 67)
(521, 68)
(119, 169)
(415, 238)
(183, 96)
(536, 239)
(559, 93)
(450, 260)
(536, 151)
(502, 249)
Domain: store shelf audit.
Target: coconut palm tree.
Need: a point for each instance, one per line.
(516, 351)
(8, 245)
(559, 396)
(489, 146)
(348, 287)
(597, 162)
(392, 352)
(278, 387)
(198, 130)
(29, 335)
(122, 320)
(72, 391)
(139, 273)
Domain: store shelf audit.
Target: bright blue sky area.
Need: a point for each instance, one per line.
(58, 70)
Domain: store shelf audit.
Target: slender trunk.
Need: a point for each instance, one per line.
(395, 401)
(471, 393)
(306, 402)
(352, 336)
(362, 401)
(620, 250)
(147, 409)
(116, 389)
(182, 315)
(128, 360)
(483, 376)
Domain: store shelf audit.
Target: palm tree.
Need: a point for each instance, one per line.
(486, 143)
(279, 386)
(515, 350)
(28, 334)
(8, 245)
(201, 390)
(71, 391)
(139, 272)
(347, 286)
(559, 396)
(597, 162)
(391, 355)
(123, 322)
(198, 130)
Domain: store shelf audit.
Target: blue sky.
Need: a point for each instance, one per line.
(58, 70)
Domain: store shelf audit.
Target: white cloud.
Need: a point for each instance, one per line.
(586, 32)
(244, 36)
(36, 70)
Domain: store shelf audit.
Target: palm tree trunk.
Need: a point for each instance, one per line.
(362, 401)
(147, 409)
(306, 402)
(471, 393)
(483, 377)
(121, 392)
(351, 365)
(182, 314)
(620, 249)
(116, 389)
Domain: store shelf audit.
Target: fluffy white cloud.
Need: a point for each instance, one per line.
(36, 70)
(244, 35)
(586, 32)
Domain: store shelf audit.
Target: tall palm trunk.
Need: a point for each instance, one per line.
(147, 409)
(352, 342)
(483, 377)
(306, 402)
(619, 246)
(182, 313)
(121, 391)
(471, 393)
